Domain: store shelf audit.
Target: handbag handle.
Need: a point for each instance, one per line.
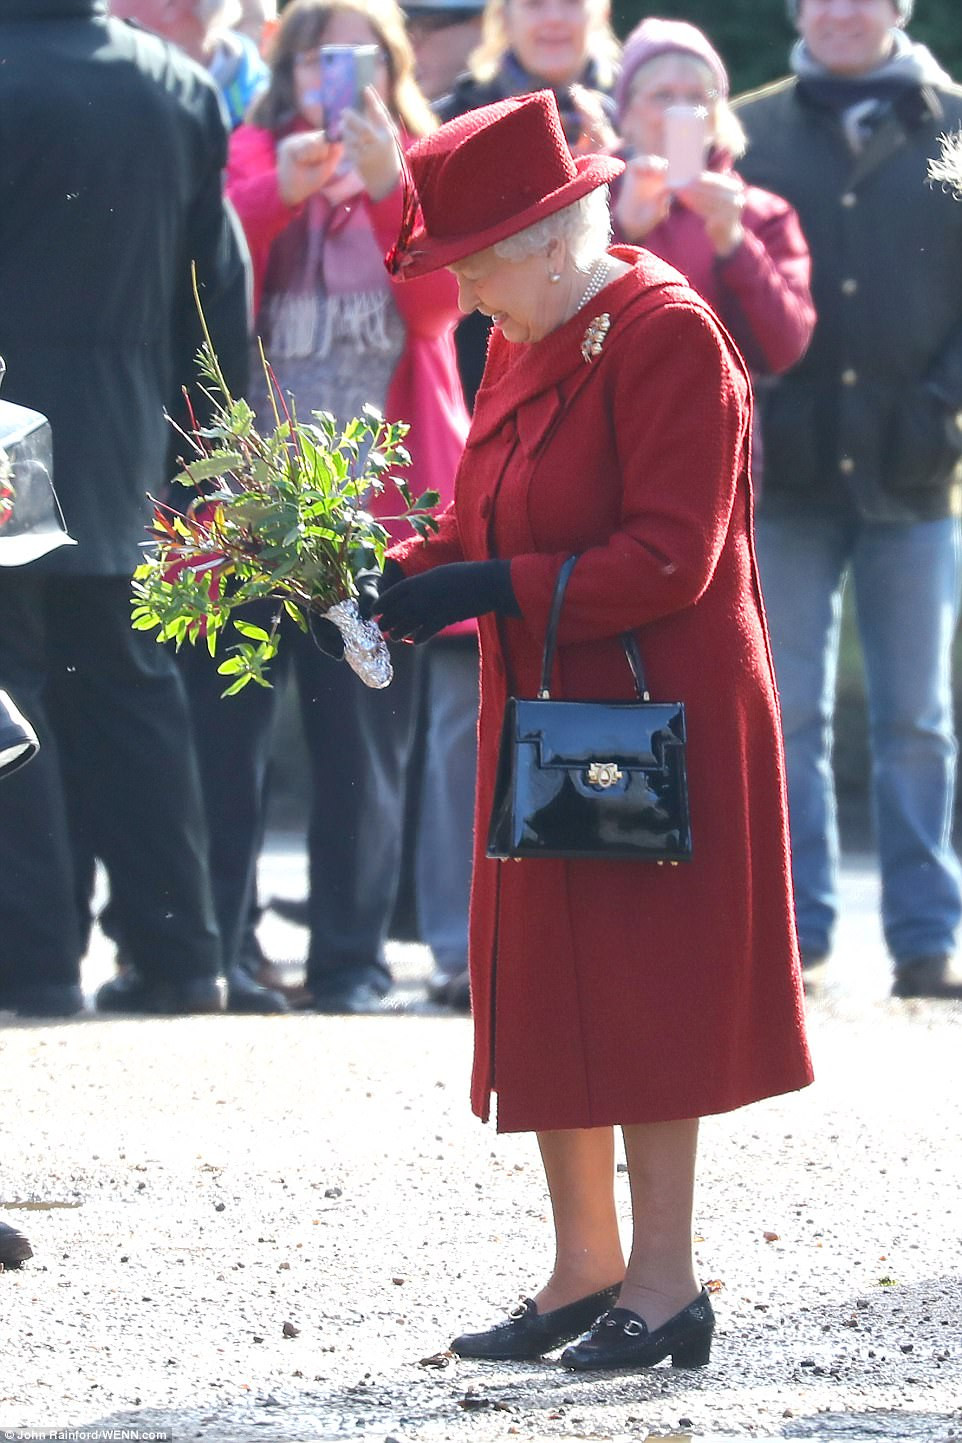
(551, 640)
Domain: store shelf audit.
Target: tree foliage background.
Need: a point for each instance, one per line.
(754, 36)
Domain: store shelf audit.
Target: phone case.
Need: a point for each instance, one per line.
(345, 71)
(686, 143)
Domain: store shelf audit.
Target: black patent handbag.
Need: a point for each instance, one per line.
(591, 779)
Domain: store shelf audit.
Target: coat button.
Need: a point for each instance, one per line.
(849, 199)
(846, 465)
(849, 377)
(849, 286)
(485, 507)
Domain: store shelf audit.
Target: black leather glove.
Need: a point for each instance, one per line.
(370, 585)
(420, 606)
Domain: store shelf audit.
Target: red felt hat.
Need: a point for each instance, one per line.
(487, 175)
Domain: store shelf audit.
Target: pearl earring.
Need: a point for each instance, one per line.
(554, 277)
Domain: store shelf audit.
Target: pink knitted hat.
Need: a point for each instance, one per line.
(661, 37)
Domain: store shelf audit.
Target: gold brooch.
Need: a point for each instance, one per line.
(595, 337)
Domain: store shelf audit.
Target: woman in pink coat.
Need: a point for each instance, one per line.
(612, 424)
(318, 214)
(740, 247)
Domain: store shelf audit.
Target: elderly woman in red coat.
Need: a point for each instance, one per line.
(607, 993)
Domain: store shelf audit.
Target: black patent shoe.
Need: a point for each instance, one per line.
(526, 1333)
(621, 1339)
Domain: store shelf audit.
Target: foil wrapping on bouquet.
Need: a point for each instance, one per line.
(365, 649)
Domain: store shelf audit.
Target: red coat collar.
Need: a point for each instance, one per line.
(517, 375)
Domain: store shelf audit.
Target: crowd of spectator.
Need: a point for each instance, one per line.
(193, 131)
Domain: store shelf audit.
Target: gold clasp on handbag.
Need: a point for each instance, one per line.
(604, 774)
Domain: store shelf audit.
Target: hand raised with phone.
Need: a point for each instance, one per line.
(306, 162)
(371, 145)
(643, 198)
(719, 199)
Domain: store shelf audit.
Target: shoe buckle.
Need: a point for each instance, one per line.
(633, 1329)
(519, 1311)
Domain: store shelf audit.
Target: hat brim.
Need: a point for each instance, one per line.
(425, 253)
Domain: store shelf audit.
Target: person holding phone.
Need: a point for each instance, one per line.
(318, 214)
(741, 248)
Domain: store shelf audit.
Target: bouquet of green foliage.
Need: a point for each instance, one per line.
(278, 513)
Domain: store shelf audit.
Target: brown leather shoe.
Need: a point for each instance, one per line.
(14, 1248)
(928, 977)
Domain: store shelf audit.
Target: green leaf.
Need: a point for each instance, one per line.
(256, 633)
(238, 685)
(296, 615)
(241, 418)
(217, 463)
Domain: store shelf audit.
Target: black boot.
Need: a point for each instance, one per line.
(246, 995)
(132, 992)
(350, 989)
(43, 999)
(928, 977)
(621, 1339)
(526, 1333)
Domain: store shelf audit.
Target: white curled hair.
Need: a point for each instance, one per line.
(584, 226)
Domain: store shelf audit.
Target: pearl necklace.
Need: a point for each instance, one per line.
(596, 280)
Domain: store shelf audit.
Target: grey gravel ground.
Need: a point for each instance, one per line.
(191, 1186)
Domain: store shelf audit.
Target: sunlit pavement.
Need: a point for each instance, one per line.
(270, 1227)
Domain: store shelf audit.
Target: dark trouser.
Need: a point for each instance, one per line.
(116, 778)
(359, 742)
(232, 737)
(444, 842)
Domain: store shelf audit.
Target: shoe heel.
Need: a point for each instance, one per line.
(693, 1352)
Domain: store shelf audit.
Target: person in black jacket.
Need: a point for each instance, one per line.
(110, 187)
(862, 444)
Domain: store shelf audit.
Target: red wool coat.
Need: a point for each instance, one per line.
(623, 992)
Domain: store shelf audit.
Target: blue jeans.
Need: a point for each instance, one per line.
(907, 580)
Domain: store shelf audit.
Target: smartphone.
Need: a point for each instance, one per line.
(686, 143)
(345, 72)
